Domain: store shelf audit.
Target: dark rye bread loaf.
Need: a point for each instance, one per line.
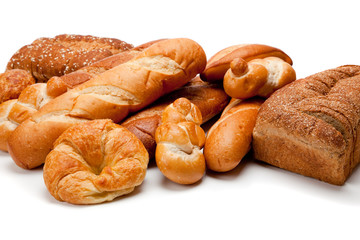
(311, 126)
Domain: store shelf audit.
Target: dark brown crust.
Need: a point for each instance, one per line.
(48, 57)
(314, 124)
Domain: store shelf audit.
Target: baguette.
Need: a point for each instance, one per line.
(129, 87)
(229, 139)
(210, 98)
(35, 96)
(314, 124)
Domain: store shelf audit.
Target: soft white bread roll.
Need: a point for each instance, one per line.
(16, 111)
(220, 62)
(259, 77)
(129, 87)
(94, 162)
(179, 141)
(229, 139)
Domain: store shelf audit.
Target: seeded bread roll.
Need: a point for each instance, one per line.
(311, 126)
(48, 57)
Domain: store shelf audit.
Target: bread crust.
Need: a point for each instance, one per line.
(314, 123)
(229, 139)
(94, 162)
(220, 62)
(48, 57)
(210, 98)
(129, 87)
(13, 82)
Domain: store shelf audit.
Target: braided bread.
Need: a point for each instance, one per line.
(48, 57)
(179, 142)
(129, 87)
(94, 162)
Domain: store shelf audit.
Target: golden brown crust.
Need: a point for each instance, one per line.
(12, 82)
(210, 98)
(229, 139)
(94, 162)
(159, 69)
(48, 57)
(179, 141)
(220, 62)
(314, 124)
(261, 77)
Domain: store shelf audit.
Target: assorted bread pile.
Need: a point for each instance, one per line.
(94, 111)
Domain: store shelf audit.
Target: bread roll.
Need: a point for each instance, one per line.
(94, 162)
(179, 141)
(311, 126)
(220, 62)
(129, 87)
(12, 82)
(210, 98)
(229, 139)
(259, 77)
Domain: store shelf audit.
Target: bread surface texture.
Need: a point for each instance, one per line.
(210, 98)
(94, 162)
(62, 54)
(311, 126)
(179, 141)
(113, 94)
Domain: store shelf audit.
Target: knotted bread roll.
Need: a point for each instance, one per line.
(259, 77)
(94, 162)
(179, 142)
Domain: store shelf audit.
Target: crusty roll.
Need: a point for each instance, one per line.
(94, 162)
(48, 57)
(312, 126)
(16, 111)
(12, 82)
(129, 87)
(259, 77)
(210, 98)
(220, 62)
(179, 141)
(229, 139)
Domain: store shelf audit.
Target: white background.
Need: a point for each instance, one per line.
(254, 201)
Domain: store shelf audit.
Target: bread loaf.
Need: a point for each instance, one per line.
(129, 87)
(179, 141)
(220, 62)
(95, 162)
(48, 57)
(35, 96)
(210, 98)
(311, 126)
(229, 139)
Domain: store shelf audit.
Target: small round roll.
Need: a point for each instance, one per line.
(179, 142)
(229, 139)
(94, 162)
